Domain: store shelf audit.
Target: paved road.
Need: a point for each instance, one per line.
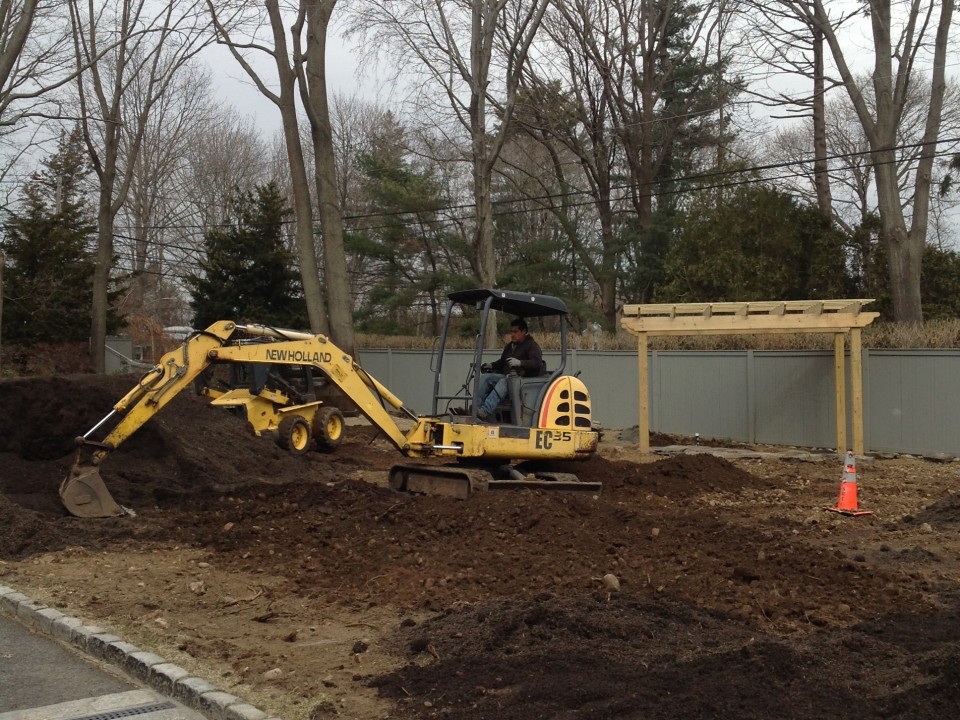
(41, 679)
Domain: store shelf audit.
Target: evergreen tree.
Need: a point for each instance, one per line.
(249, 273)
(406, 252)
(48, 281)
(757, 244)
(688, 132)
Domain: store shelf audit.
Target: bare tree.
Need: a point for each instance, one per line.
(906, 42)
(35, 59)
(312, 82)
(356, 126)
(238, 26)
(149, 44)
(225, 151)
(851, 170)
(851, 174)
(574, 117)
(34, 56)
(790, 44)
(353, 121)
(153, 200)
(301, 73)
(661, 74)
(454, 48)
(621, 86)
(219, 152)
(16, 21)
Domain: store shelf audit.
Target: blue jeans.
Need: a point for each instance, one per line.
(493, 388)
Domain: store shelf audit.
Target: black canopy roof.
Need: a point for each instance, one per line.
(515, 303)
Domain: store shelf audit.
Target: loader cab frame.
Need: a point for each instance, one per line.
(523, 407)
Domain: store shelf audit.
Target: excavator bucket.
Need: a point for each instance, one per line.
(84, 494)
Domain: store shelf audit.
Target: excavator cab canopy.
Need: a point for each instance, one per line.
(513, 304)
(520, 304)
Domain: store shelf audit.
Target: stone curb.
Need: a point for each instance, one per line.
(166, 678)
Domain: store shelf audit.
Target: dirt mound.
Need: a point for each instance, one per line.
(614, 657)
(739, 596)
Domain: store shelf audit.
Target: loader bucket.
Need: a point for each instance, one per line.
(84, 494)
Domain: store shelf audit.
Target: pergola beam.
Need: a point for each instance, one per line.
(745, 324)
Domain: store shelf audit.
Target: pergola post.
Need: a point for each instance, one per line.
(840, 390)
(643, 377)
(856, 389)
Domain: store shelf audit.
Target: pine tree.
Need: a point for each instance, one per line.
(249, 274)
(403, 251)
(48, 282)
(758, 244)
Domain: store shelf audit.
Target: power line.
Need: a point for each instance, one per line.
(716, 186)
(628, 187)
(164, 244)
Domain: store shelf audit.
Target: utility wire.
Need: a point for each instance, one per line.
(628, 187)
(715, 186)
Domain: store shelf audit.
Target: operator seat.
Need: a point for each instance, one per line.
(531, 391)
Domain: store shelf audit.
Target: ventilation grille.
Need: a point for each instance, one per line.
(129, 712)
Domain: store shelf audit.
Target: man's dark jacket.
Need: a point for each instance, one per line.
(527, 352)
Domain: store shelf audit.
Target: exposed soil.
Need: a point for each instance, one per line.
(307, 587)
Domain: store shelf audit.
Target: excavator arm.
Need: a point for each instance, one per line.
(84, 493)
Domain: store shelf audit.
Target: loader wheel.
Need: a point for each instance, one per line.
(293, 435)
(328, 428)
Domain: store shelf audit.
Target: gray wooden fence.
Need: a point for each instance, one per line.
(911, 397)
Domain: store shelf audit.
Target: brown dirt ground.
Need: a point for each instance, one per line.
(306, 587)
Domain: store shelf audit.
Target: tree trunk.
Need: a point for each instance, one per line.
(286, 101)
(485, 259)
(881, 126)
(3, 261)
(339, 300)
(107, 208)
(484, 250)
(821, 174)
(303, 212)
(16, 30)
(154, 65)
(101, 274)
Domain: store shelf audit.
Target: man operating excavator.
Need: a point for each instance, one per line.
(521, 355)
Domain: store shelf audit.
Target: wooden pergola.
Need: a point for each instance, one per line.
(840, 317)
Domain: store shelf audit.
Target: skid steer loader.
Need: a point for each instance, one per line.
(545, 418)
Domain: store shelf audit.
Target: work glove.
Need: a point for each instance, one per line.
(513, 363)
(486, 368)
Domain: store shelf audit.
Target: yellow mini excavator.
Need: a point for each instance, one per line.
(273, 371)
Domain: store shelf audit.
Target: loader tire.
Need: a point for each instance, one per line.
(328, 428)
(293, 435)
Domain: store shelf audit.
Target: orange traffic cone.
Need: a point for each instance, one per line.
(847, 501)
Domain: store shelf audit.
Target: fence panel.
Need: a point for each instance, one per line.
(699, 392)
(911, 397)
(794, 400)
